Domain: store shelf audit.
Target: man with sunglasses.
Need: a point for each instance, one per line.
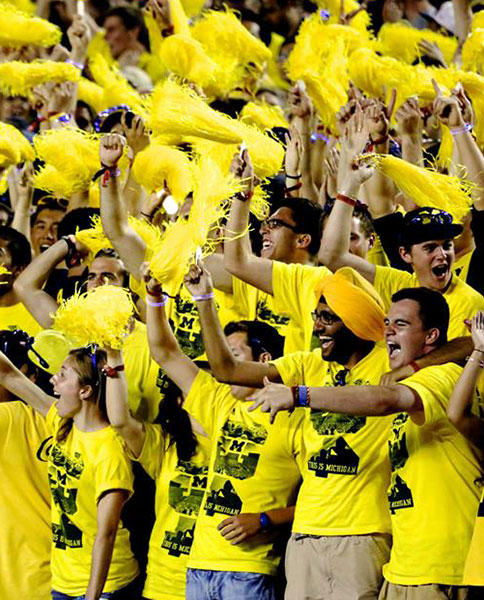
(426, 244)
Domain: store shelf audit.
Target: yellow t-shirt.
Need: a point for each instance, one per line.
(253, 468)
(24, 503)
(376, 254)
(81, 469)
(433, 498)
(180, 487)
(474, 567)
(259, 306)
(293, 287)
(461, 266)
(18, 317)
(463, 301)
(345, 460)
(142, 375)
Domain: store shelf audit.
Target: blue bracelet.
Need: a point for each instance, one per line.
(302, 396)
(265, 522)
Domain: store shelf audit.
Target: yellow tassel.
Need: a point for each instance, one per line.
(426, 187)
(116, 88)
(192, 8)
(266, 154)
(52, 181)
(478, 20)
(154, 34)
(14, 147)
(101, 316)
(4, 181)
(361, 21)
(178, 110)
(263, 116)
(474, 86)
(401, 41)
(159, 165)
(176, 250)
(91, 93)
(444, 157)
(473, 51)
(18, 78)
(73, 153)
(99, 47)
(185, 57)
(25, 6)
(19, 29)
(94, 196)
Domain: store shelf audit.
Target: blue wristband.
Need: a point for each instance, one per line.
(265, 522)
(302, 396)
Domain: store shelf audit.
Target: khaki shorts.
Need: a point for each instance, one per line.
(336, 567)
(392, 591)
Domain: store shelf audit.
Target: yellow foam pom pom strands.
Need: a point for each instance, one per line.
(18, 29)
(18, 78)
(14, 147)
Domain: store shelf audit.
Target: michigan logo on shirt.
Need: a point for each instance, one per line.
(400, 495)
(264, 313)
(338, 459)
(187, 328)
(239, 448)
(222, 498)
(180, 541)
(187, 488)
(333, 423)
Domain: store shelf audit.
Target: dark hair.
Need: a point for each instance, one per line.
(88, 364)
(76, 220)
(433, 308)
(261, 337)
(111, 253)
(360, 212)
(131, 18)
(308, 217)
(18, 246)
(175, 421)
(47, 205)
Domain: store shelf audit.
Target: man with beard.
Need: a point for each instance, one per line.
(341, 531)
(15, 255)
(433, 496)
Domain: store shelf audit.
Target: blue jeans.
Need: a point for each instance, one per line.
(228, 585)
(126, 593)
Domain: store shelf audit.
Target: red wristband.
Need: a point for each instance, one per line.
(112, 371)
(347, 199)
(415, 366)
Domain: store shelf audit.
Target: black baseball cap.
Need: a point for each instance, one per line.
(427, 223)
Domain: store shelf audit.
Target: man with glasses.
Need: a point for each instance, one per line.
(426, 244)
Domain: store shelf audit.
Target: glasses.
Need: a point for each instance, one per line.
(275, 223)
(325, 317)
(432, 216)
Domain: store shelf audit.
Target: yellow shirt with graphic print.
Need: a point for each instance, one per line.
(253, 469)
(433, 497)
(463, 301)
(293, 288)
(81, 469)
(180, 487)
(345, 459)
(24, 503)
(474, 567)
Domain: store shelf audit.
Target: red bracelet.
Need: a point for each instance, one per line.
(112, 371)
(293, 188)
(347, 199)
(415, 366)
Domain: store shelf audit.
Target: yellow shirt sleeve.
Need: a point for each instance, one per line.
(113, 470)
(389, 280)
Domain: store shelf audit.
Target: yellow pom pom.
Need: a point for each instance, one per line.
(192, 8)
(263, 115)
(361, 21)
(101, 316)
(25, 6)
(159, 165)
(99, 47)
(178, 110)
(18, 78)
(478, 20)
(426, 187)
(473, 51)
(116, 88)
(52, 181)
(73, 153)
(401, 41)
(19, 29)
(444, 157)
(185, 57)
(474, 86)
(266, 154)
(179, 18)
(91, 93)
(14, 147)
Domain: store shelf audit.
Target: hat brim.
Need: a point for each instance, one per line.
(419, 234)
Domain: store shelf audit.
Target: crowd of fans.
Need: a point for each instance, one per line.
(241, 300)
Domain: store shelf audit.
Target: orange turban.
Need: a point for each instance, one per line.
(355, 301)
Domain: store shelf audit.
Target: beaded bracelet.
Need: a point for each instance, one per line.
(202, 297)
(78, 65)
(157, 304)
(467, 127)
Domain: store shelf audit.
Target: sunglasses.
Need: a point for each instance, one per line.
(432, 216)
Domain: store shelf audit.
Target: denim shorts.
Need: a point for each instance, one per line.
(228, 585)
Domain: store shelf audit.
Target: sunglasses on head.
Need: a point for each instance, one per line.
(431, 216)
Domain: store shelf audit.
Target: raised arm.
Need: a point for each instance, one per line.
(238, 256)
(335, 246)
(163, 345)
(20, 386)
(129, 428)
(225, 366)
(127, 243)
(460, 403)
(30, 282)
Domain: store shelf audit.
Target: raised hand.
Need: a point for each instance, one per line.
(153, 286)
(478, 331)
(241, 168)
(299, 102)
(409, 118)
(447, 110)
(464, 104)
(377, 118)
(79, 38)
(294, 149)
(111, 148)
(198, 280)
(135, 133)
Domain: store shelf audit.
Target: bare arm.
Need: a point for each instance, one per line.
(128, 244)
(108, 517)
(225, 366)
(29, 283)
(163, 345)
(460, 403)
(129, 428)
(238, 256)
(20, 386)
(241, 527)
(21, 218)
